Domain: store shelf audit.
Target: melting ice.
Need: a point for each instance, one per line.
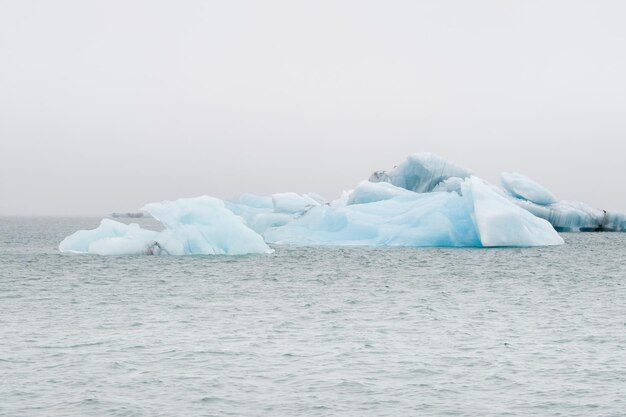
(424, 201)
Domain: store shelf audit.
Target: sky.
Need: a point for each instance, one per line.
(108, 105)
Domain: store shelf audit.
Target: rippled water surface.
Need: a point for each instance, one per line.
(311, 331)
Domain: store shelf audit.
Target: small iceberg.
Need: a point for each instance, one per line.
(424, 201)
(193, 226)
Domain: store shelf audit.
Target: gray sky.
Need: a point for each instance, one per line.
(107, 105)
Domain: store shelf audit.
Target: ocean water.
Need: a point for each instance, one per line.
(311, 331)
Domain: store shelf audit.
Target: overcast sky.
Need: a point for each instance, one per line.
(107, 105)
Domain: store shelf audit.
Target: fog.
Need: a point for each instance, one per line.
(107, 105)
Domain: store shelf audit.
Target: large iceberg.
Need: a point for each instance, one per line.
(424, 201)
(380, 214)
(421, 170)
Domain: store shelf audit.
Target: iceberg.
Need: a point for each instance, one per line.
(426, 172)
(380, 214)
(193, 226)
(110, 238)
(424, 201)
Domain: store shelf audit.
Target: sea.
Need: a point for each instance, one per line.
(311, 331)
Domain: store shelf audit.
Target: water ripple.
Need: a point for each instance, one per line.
(312, 331)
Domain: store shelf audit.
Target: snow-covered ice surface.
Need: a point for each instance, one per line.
(424, 201)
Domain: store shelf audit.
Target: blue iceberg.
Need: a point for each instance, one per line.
(424, 201)
(381, 214)
(110, 238)
(565, 216)
(420, 171)
(193, 226)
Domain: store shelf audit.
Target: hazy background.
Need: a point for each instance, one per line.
(107, 105)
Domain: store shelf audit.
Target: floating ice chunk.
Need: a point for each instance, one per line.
(369, 192)
(110, 238)
(421, 172)
(523, 187)
(292, 202)
(501, 223)
(193, 226)
(425, 201)
(478, 217)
